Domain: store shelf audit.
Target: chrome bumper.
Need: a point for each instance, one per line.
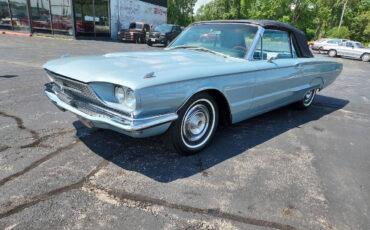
(129, 126)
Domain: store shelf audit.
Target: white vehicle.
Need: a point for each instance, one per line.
(349, 49)
(324, 42)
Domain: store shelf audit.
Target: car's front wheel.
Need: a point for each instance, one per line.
(195, 126)
(307, 99)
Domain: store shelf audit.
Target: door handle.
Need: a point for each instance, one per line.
(298, 66)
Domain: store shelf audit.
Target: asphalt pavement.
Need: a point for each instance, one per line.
(286, 169)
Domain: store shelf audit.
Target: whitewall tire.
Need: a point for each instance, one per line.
(195, 126)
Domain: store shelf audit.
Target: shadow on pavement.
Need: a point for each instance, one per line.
(8, 76)
(151, 158)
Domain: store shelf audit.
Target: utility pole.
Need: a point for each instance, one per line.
(341, 18)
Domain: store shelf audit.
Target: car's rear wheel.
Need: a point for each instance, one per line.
(195, 126)
(306, 100)
(149, 43)
(321, 50)
(332, 53)
(365, 57)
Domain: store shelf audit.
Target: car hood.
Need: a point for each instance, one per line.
(130, 68)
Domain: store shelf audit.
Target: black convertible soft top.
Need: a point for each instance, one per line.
(299, 37)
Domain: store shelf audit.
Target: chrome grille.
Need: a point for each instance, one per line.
(73, 89)
(127, 36)
(79, 94)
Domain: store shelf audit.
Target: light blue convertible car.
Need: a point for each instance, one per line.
(214, 71)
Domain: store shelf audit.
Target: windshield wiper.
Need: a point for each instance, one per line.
(182, 47)
(200, 49)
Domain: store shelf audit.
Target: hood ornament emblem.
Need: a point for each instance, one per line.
(149, 75)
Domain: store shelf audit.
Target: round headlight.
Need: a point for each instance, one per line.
(119, 93)
(130, 98)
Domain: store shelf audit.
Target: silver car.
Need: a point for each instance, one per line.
(349, 49)
(322, 44)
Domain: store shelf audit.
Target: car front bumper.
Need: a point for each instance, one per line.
(103, 118)
(161, 40)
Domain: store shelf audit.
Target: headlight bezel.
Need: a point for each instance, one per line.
(120, 94)
(129, 98)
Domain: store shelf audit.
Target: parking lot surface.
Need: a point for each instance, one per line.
(286, 169)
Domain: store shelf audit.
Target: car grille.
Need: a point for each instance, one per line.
(127, 36)
(69, 88)
(81, 96)
(154, 35)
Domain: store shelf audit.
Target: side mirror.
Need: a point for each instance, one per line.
(272, 56)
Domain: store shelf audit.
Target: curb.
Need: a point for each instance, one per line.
(16, 34)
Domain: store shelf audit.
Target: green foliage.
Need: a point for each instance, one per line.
(180, 11)
(310, 34)
(342, 33)
(361, 27)
(317, 18)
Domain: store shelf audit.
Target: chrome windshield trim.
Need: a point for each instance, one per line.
(129, 125)
(258, 36)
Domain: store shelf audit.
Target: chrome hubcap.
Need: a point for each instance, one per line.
(309, 96)
(196, 122)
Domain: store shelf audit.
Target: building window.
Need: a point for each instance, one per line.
(19, 15)
(61, 11)
(5, 19)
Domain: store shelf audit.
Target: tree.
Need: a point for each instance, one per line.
(343, 32)
(180, 11)
(315, 17)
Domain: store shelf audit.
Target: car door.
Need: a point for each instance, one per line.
(347, 49)
(341, 49)
(356, 50)
(276, 83)
(174, 32)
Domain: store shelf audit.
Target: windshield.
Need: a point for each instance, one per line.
(163, 28)
(229, 39)
(136, 26)
(358, 44)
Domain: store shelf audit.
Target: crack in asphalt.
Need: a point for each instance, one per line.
(35, 135)
(3, 148)
(37, 163)
(48, 195)
(149, 201)
(20, 124)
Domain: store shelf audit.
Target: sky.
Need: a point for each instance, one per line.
(199, 3)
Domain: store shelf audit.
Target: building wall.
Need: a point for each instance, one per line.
(123, 12)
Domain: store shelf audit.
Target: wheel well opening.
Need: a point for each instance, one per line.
(223, 106)
(364, 54)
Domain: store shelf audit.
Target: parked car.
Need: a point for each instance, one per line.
(320, 44)
(185, 90)
(162, 34)
(310, 44)
(211, 36)
(349, 49)
(135, 33)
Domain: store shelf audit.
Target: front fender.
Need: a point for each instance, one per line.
(168, 98)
